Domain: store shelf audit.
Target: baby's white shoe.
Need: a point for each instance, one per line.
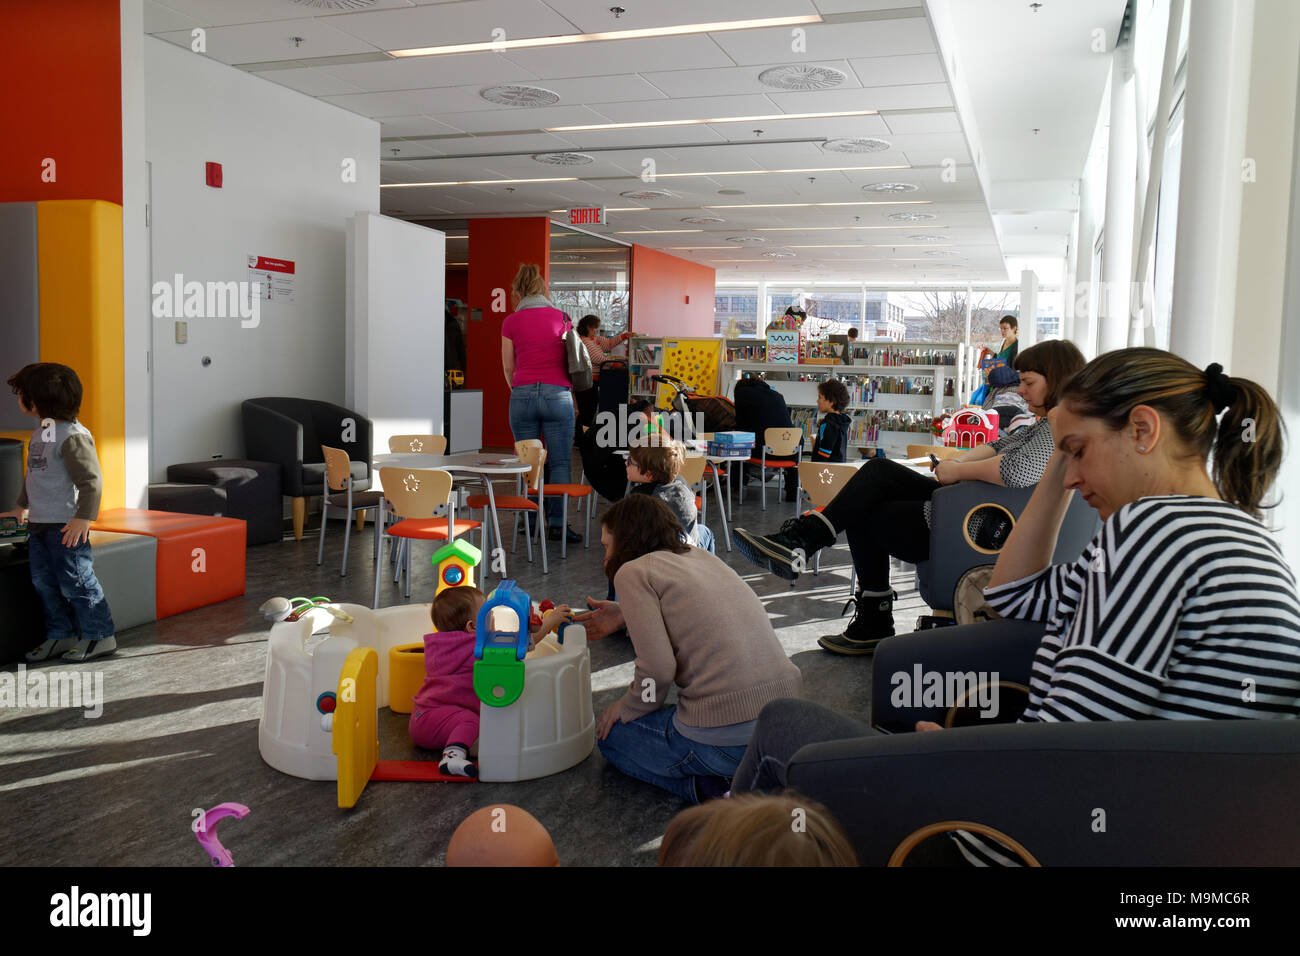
(50, 648)
(85, 650)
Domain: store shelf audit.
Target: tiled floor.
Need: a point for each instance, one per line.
(182, 699)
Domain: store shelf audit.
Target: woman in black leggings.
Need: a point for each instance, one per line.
(885, 507)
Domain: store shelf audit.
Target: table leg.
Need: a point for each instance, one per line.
(717, 489)
(496, 528)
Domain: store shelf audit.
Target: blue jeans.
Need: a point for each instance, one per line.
(705, 534)
(65, 579)
(651, 749)
(546, 412)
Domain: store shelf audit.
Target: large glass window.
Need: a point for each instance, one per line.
(739, 304)
(589, 277)
(939, 315)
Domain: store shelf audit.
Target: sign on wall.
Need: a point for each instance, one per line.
(587, 216)
(275, 278)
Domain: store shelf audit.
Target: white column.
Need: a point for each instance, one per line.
(1209, 200)
(1121, 190)
(137, 320)
(1287, 515)
(1028, 308)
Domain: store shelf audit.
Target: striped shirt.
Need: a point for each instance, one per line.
(1181, 608)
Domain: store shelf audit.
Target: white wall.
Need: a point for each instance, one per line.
(135, 259)
(396, 273)
(283, 196)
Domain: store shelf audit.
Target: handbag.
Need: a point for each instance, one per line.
(579, 361)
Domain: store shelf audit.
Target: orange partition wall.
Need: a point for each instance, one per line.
(62, 78)
(80, 262)
(497, 248)
(661, 285)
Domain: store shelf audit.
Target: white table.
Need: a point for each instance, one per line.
(485, 465)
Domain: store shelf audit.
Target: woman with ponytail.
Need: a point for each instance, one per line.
(537, 371)
(1181, 608)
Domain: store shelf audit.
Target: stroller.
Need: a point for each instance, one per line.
(605, 469)
(714, 412)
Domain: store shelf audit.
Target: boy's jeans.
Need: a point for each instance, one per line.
(650, 748)
(546, 412)
(65, 579)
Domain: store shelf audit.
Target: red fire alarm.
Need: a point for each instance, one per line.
(688, 300)
(213, 174)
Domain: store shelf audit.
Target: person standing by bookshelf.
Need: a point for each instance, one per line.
(758, 408)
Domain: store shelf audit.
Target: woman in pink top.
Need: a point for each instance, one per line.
(541, 396)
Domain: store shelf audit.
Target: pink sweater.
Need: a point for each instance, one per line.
(448, 672)
(539, 349)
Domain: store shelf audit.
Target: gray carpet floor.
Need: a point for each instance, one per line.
(182, 697)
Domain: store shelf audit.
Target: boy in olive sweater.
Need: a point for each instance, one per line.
(61, 495)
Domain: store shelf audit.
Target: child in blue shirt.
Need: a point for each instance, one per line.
(831, 441)
(61, 495)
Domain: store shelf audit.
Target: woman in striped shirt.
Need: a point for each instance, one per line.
(1182, 607)
(597, 346)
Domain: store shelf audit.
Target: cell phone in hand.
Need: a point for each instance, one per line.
(934, 462)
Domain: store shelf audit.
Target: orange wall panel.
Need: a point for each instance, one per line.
(62, 79)
(80, 262)
(497, 248)
(660, 285)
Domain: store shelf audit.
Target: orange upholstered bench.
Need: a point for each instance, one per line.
(200, 559)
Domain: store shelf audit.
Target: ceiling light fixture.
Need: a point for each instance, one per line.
(482, 182)
(705, 122)
(684, 29)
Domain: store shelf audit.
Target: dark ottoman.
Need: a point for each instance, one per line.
(252, 490)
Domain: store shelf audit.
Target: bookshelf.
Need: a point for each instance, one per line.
(897, 389)
(645, 358)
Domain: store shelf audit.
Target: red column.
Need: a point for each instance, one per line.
(497, 248)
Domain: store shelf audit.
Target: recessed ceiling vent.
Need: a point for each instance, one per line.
(779, 254)
(913, 216)
(648, 194)
(891, 187)
(745, 240)
(801, 77)
(522, 96)
(860, 144)
(703, 220)
(337, 4)
(926, 237)
(564, 159)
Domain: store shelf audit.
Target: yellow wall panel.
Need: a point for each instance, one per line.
(80, 260)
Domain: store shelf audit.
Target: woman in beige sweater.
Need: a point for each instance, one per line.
(693, 623)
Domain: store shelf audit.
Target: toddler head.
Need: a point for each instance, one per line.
(456, 609)
(657, 462)
(832, 396)
(755, 829)
(48, 390)
(501, 835)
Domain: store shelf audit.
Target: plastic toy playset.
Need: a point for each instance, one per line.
(968, 427)
(329, 672)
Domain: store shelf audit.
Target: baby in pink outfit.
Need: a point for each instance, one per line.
(445, 712)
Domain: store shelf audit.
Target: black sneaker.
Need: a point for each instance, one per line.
(788, 552)
(872, 622)
(553, 534)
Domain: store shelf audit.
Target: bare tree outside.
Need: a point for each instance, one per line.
(942, 315)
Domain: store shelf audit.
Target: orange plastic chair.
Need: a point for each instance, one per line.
(414, 494)
(780, 441)
(566, 491)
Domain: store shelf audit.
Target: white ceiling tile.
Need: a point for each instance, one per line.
(162, 19)
(899, 70)
(472, 21)
(730, 79)
(924, 96)
(907, 123)
(700, 107)
(618, 57)
(209, 13)
(816, 129)
(648, 137)
(313, 82)
(853, 6)
(593, 16)
(830, 41)
(487, 121)
(474, 145)
(414, 73)
(381, 104)
(259, 42)
(412, 125)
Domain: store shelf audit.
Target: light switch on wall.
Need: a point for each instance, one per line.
(182, 333)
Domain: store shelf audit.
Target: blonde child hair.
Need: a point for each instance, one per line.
(528, 281)
(662, 461)
(755, 829)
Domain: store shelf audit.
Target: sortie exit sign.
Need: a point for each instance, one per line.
(587, 216)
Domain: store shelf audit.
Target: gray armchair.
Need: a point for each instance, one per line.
(953, 552)
(290, 432)
(1124, 793)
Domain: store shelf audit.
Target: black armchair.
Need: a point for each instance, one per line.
(290, 432)
(1122, 793)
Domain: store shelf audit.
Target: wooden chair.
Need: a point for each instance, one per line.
(415, 495)
(338, 479)
(534, 455)
(693, 474)
(941, 452)
(420, 444)
(779, 441)
(823, 481)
